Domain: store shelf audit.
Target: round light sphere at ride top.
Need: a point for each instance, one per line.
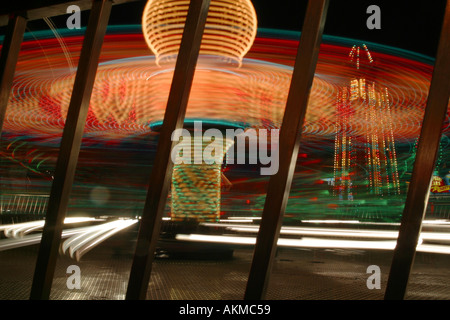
(229, 33)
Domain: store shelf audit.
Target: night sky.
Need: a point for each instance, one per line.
(410, 25)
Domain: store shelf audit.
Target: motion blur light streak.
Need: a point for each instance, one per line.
(79, 240)
(130, 95)
(313, 243)
(136, 93)
(21, 229)
(335, 232)
(33, 239)
(285, 242)
(78, 245)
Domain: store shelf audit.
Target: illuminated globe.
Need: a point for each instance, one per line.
(229, 32)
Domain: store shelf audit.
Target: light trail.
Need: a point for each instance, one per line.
(21, 229)
(79, 244)
(440, 237)
(79, 241)
(135, 88)
(312, 243)
(28, 240)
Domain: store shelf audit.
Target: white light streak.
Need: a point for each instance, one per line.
(312, 243)
(21, 229)
(79, 244)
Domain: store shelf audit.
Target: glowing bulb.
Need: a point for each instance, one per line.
(229, 33)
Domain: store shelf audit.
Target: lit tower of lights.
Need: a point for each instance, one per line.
(196, 186)
(229, 33)
(367, 160)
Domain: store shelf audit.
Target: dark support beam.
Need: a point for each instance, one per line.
(150, 223)
(38, 9)
(424, 165)
(69, 149)
(290, 133)
(8, 60)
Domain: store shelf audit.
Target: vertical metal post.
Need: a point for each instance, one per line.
(69, 149)
(424, 164)
(150, 224)
(8, 60)
(290, 132)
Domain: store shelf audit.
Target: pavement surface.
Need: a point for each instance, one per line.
(298, 274)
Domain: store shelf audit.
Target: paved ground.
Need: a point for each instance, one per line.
(298, 274)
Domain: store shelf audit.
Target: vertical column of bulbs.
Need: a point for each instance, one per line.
(391, 144)
(351, 157)
(345, 147)
(337, 144)
(368, 153)
(343, 163)
(359, 174)
(349, 169)
(344, 153)
(369, 56)
(338, 181)
(354, 54)
(377, 143)
(371, 141)
(384, 168)
(381, 157)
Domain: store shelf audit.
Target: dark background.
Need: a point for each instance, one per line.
(410, 25)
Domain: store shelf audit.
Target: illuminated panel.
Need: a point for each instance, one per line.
(371, 149)
(196, 186)
(230, 28)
